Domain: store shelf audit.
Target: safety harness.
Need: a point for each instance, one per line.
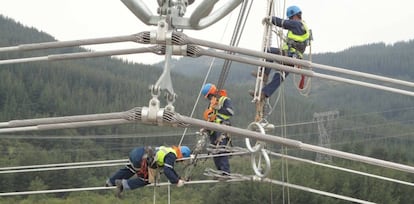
(213, 115)
(296, 44)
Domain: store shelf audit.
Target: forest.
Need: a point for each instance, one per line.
(371, 122)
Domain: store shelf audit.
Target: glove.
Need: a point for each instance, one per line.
(267, 20)
(180, 183)
(209, 115)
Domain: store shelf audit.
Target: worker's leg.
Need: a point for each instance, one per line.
(272, 50)
(225, 165)
(124, 173)
(272, 86)
(134, 183)
(130, 184)
(222, 162)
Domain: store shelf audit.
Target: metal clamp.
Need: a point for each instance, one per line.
(149, 115)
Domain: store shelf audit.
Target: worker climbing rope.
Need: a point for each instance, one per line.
(219, 111)
(295, 43)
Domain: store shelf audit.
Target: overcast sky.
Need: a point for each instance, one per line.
(336, 24)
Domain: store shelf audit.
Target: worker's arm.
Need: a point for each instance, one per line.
(295, 26)
(169, 171)
(227, 108)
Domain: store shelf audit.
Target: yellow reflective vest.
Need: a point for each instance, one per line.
(220, 117)
(160, 155)
(297, 43)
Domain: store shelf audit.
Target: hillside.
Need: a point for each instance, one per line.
(371, 123)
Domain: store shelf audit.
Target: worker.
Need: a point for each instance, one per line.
(143, 161)
(294, 46)
(219, 111)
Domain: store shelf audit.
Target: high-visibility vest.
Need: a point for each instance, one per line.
(160, 155)
(297, 43)
(220, 117)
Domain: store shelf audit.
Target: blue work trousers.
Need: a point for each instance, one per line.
(126, 173)
(277, 79)
(221, 162)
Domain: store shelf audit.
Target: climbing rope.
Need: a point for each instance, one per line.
(260, 100)
(285, 165)
(237, 33)
(307, 83)
(201, 141)
(235, 39)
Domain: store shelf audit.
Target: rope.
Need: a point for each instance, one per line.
(179, 119)
(285, 167)
(204, 82)
(231, 177)
(341, 168)
(292, 143)
(259, 100)
(62, 164)
(61, 168)
(235, 39)
(241, 178)
(236, 151)
(198, 98)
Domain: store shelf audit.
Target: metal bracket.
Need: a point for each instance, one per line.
(164, 82)
(149, 114)
(202, 17)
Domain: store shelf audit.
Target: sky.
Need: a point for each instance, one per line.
(336, 25)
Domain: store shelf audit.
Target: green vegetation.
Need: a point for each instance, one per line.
(371, 123)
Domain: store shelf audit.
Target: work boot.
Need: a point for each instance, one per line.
(119, 188)
(224, 177)
(265, 76)
(108, 183)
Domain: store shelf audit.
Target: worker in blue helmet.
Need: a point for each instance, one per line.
(297, 40)
(145, 160)
(219, 110)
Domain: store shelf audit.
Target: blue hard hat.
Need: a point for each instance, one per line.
(208, 89)
(185, 151)
(292, 10)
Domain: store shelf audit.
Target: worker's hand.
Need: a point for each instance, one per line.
(214, 103)
(180, 183)
(218, 106)
(267, 20)
(209, 115)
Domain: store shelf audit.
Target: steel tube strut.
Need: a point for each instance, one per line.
(293, 143)
(304, 63)
(71, 43)
(81, 55)
(175, 119)
(309, 73)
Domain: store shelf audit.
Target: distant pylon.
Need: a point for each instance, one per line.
(325, 122)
